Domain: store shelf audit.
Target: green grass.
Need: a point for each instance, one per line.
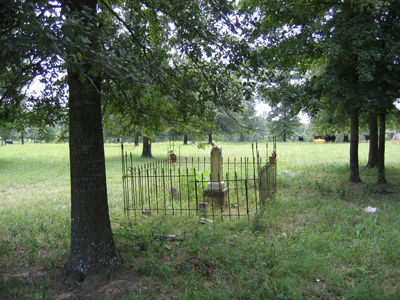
(313, 241)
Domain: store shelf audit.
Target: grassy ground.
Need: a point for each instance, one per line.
(314, 241)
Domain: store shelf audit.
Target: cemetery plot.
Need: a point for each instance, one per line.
(212, 188)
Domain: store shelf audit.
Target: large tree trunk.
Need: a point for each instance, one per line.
(92, 246)
(93, 254)
(373, 142)
(146, 147)
(381, 149)
(185, 139)
(354, 168)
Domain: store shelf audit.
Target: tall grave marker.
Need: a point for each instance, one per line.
(216, 191)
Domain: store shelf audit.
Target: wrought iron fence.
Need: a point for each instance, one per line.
(165, 187)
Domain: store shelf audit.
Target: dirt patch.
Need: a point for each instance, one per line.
(195, 264)
(43, 285)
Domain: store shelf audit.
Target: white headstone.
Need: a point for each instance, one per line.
(216, 170)
(216, 163)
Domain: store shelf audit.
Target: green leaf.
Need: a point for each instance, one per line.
(82, 78)
(69, 33)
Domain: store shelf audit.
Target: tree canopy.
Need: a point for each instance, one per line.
(346, 53)
(281, 123)
(141, 60)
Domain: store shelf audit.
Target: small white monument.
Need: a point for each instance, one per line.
(216, 191)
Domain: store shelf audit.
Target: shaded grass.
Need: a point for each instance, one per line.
(313, 241)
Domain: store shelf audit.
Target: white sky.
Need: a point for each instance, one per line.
(261, 107)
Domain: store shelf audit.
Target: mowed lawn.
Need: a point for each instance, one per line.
(313, 241)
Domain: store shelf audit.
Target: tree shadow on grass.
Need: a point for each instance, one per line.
(48, 285)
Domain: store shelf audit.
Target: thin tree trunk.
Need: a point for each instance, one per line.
(284, 134)
(373, 142)
(345, 138)
(381, 149)
(185, 139)
(241, 137)
(210, 138)
(136, 139)
(22, 137)
(93, 254)
(354, 168)
(146, 147)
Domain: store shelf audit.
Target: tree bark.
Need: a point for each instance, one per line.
(284, 133)
(354, 168)
(92, 246)
(241, 137)
(373, 143)
(345, 138)
(93, 254)
(210, 138)
(22, 138)
(137, 139)
(146, 147)
(185, 139)
(381, 149)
